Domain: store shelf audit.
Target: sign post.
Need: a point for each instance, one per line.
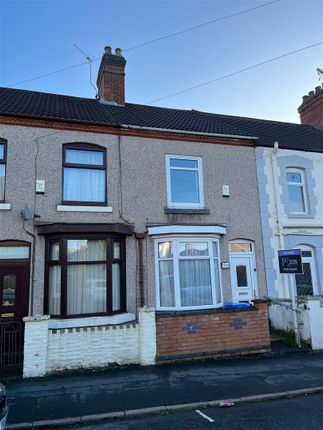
(290, 262)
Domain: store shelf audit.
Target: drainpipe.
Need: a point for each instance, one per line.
(140, 237)
(280, 233)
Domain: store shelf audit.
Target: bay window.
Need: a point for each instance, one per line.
(85, 276)
(84, 172)
(187, 272)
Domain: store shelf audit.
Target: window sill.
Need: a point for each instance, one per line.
(300, 215)
(5, 206)
(68, 208)
(192, 211)
(91, 321)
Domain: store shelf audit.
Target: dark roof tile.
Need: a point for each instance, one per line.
(82, 110)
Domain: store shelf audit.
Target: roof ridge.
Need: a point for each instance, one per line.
(48, 94)
(214, 114)
(249, 117)
(159, 107)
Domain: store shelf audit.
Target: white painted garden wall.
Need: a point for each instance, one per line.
(49, 350)
(309, 319)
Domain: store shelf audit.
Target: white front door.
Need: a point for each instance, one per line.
(242, 277)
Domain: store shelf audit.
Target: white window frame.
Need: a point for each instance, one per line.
(176, 205)
(175, 259)
(302, 185)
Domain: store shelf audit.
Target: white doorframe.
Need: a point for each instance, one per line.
(253, 275)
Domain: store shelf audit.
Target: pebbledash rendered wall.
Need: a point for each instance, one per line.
(49, 350)
(137, 193)
(143, 162)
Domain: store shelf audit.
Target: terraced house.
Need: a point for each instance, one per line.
(127, 231)
(290, 174)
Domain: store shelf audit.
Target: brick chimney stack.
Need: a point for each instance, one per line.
(111, 77)
(311, 110)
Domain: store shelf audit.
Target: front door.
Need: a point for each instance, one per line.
(242, 279)
(306, 284)
(14, 282)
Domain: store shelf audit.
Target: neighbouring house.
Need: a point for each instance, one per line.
(290, 176)
(126, 231)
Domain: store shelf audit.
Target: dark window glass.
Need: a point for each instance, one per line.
(242, 279)
(304, 284)
(9, 290)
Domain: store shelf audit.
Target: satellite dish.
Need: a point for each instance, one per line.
(27, 214)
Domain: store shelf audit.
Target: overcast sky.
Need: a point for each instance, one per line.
(37, 38)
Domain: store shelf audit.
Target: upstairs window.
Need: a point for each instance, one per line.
(3, 154)
(184, 182)
(84, 174)
(296, 191)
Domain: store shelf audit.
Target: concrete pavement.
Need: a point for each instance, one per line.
(115, 390)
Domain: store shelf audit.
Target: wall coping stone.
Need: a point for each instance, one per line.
(259, 301)
(91, 321)
(36, 318)
(161, 314)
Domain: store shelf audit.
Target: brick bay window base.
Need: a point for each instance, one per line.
(212, 333)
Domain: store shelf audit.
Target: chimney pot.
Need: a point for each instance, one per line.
(317, 89)
(118, 52)
(305, 98)
(311, 94)
(108, 50)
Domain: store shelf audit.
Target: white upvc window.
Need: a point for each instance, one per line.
(184, 182)
(296, 191)
(188, 273)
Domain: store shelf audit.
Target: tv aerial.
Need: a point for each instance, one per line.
(89, 62)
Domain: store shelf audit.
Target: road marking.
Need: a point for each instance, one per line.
(204, 416)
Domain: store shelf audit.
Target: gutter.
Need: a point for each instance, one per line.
(198, 133)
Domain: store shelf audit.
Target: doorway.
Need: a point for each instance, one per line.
(242, 271)
(306, 284)
(14, 294)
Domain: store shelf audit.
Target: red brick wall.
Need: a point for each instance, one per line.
(311, 111)
(112, 83)
(216, 333)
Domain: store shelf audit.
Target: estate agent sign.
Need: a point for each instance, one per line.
(290, 261)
